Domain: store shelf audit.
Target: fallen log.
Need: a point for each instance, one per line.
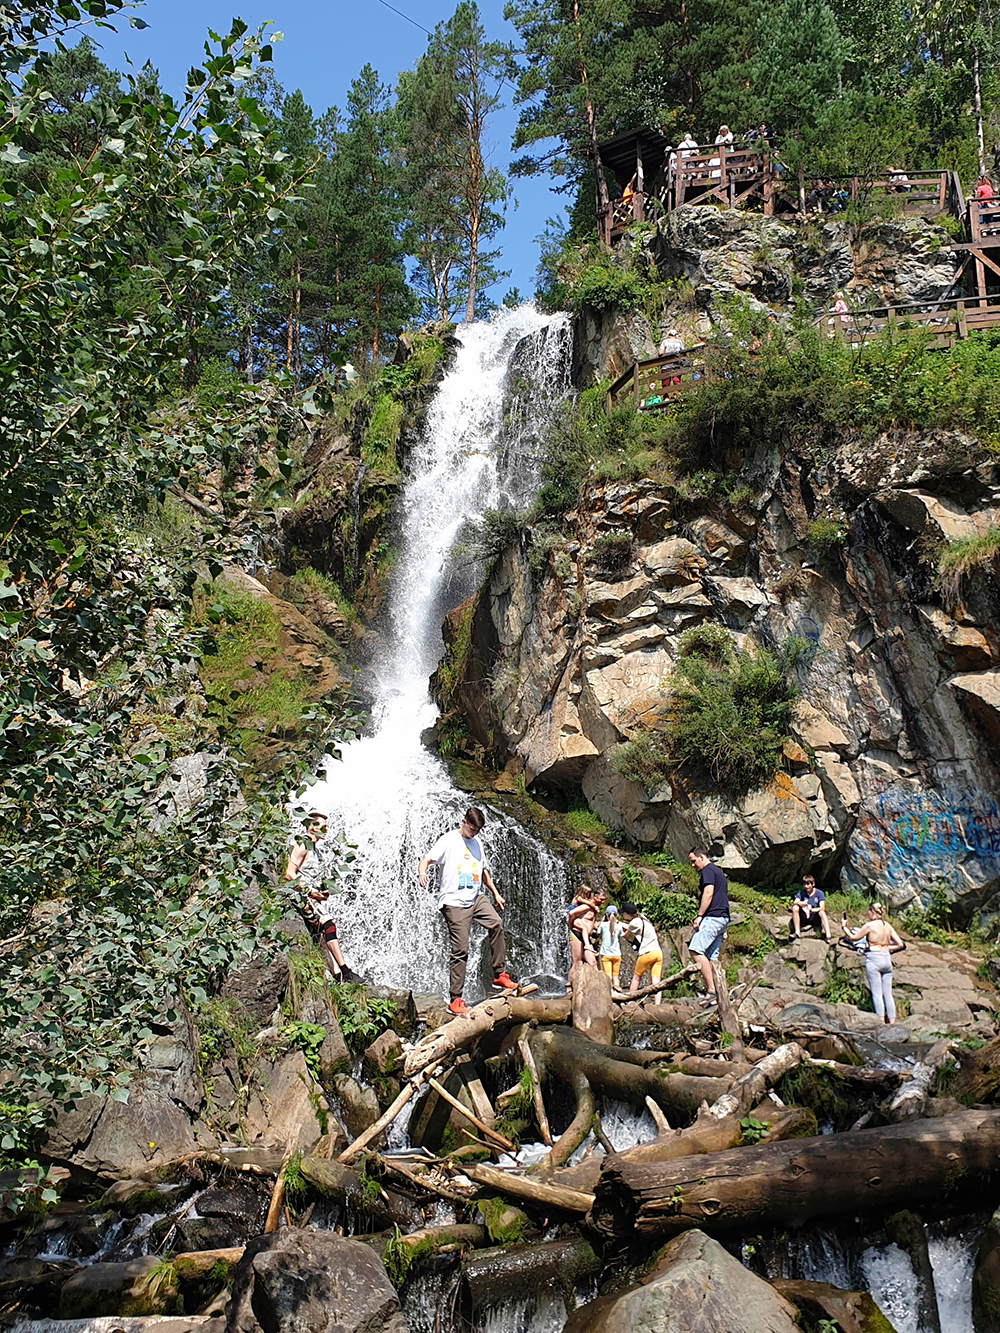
(910, 1098)
(536, 1091)
(948, 1160)
(384, 1208)
(562, 1054)
(406, 1095)
(560, 1198)
(460, 1033)
(750, 1087)
(727, 1019)
(673, 1015)
(194, 1264)
(513, 1272)
(622, 997)
(484, 1129)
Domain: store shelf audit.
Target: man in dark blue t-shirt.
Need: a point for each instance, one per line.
(809, 909)
(713, 917)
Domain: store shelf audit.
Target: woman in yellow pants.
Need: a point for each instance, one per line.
(641, 933)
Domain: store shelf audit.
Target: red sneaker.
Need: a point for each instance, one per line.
(458, 1006)
(504, 983)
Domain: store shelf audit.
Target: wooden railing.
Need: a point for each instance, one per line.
(945, 321)
(737, 175)
(660, 380)
(984, 221)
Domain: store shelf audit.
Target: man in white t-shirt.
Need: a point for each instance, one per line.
(462, 862)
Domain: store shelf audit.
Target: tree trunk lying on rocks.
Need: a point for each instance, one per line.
(460, 1033)
(788, 1184)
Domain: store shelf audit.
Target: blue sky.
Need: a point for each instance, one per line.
(325, 44)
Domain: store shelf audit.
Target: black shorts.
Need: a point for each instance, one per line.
(328, 931)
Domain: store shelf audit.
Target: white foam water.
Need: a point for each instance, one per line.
(388, 795)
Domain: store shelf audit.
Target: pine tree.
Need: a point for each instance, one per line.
(373, 299)
(456, 199)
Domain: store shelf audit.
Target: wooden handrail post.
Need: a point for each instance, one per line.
(963, 329)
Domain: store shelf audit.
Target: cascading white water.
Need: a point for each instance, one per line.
(387, 795)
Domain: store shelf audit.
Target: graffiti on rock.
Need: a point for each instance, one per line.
(904, 841)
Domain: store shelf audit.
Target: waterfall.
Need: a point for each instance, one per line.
(387, 795)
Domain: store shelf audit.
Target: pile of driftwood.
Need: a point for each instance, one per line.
(703, 1089)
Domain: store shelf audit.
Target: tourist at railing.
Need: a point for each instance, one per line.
(984, 190)
(725, 136)
(687, 146)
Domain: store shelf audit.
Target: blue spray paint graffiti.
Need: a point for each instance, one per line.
(808, 629)
(907, 840)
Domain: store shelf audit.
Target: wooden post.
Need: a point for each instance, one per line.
(963, 330)
(981, 281)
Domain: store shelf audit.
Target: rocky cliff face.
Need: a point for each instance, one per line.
(892, 779)
(709, 255)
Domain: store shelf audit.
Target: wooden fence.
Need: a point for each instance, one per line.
(657, 382)
(743, 175)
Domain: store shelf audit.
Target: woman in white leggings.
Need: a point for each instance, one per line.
(882, 943)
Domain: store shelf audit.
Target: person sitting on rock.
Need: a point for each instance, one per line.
(809, 909)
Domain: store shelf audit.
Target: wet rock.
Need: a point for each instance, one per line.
(129, 1198)
(225, 1216)
(109, 1289)
(295, 1281)
(849, 1311)
(385, 1053)
(259, 986)
(188, 1323)
(359, 1106)
(694, 1284)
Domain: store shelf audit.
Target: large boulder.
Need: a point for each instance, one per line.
(287, 1108)
(132, 1288)
(259, 986)
(312, 1282)
(695, 1286)
(119, 1140)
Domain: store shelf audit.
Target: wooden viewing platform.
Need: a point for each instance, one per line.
(657, 177)
(657, 382)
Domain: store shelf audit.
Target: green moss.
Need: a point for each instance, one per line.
(399, 1257)
(581, 819)
(506, 1225)
(427, 353)
(966, 554)
(451, 668)
(146, 1201)
(378, 447)
(224, 1026)
(310, 581)
(247, 640)
(296, 1184)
